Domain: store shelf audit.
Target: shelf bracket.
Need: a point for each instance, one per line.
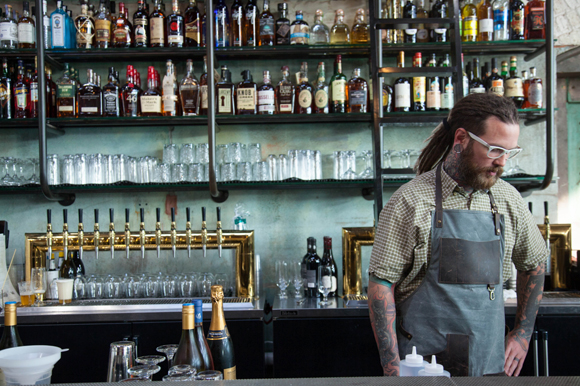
(535, 54)
(368, 194)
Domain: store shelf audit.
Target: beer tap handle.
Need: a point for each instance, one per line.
(127, 233)
(81, 234)
(203, 231)
(49, 216)
(172, 214)
(142, 232)
(158, 231)
(49, 231)
(173, 232)
(203, 213)
(158, 213)
(96, 217)
(142, 214)
(112, 232)
(80, 216)
(96, 234)
(112, 215)
(218, 231)
(65, 215)
(126, 214)
(188, 231)
(65, 232)
(187, 214)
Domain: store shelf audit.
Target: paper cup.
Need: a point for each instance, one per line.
(65, 290)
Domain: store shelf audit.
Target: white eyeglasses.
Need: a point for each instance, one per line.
(495, 152)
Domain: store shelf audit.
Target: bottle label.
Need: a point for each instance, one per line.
(485, 25)
(535, 95)
(477, 90)
(225, 101)
(357, 98)
(339, 91)
(8, 31)
(192, 30)
(497, 87)
(282, 33)
(230, 373)
(500, 18)
(34, 92)
(121, 35)
(299, 34)
(168, 103)
(470, 26)
(403, 95)
(140, 30)
(25, 33)
(440, 31)
(204, 96)
(536, 18)
(21, 94)
(246, 99)
(189, 97)
(266, 27)
(151, 104)
(311, 278)
(285, 98)
(65, 91)
(175, 35)
(266, 100)
(103, 28)
(517, 23)
(4, 95)
(422, 34)
(57, 22)
(218, 334)
(411, 31)
(514, 88)
(321, 99)
(419, 89)
(305, 99)
(89, 103)
(448, 97)
(111, 99)
(434, 94)
(157, 32)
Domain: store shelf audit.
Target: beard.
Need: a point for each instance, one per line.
(474, 175)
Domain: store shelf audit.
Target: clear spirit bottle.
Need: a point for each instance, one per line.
(57, 25)
(320, 33)
(189, 91)
(238, 24)
(252, 24)
(222, 24)
(8, 29)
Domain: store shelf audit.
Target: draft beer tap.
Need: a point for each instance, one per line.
(112, 232)
(127, 233)
(65, 232)
(96, 234)
(49, 232)
(203, 231)
(188, 232)
(158, 231)
(142, 232)
(218, 231)
(81, 234)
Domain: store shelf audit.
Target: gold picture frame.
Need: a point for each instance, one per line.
(561, 254)
(352, 241)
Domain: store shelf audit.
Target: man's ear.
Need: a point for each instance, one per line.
(461, 137)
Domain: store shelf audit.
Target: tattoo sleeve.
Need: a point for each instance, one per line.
(530, 286)
(382, 314)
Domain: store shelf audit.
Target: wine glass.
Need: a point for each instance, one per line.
(188, 370)
(169, 350)
(282, 278)
(38, 280)
(324, 282)
(151, 360)
(367, 156)
(296, 278)
(143, 371)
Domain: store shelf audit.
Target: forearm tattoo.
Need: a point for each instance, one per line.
(530, 286)
(382, 314)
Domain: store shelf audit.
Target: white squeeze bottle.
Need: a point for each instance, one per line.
(434, 370)
(410, 366)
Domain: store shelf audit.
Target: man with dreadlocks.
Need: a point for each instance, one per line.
(444, 246)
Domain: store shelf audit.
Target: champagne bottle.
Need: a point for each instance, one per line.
(10, 336)
(200, 337)
(218, 338)
(188, 351)
(328, 259)
(68, 269)
(547, 237)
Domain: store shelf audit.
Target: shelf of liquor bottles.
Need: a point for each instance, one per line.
(527, 116)
(469, 48)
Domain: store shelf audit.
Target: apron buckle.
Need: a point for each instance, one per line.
(491, 289)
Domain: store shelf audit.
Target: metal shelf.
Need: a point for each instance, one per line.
(416, 47)
(527, 116)
(515, 47)
(390, 23)
(417, 70)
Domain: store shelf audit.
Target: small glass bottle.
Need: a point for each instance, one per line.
(469, 21)
(246, 95)
(303, 102)
(151, 99)
(340, 33)
(285, 93)
(238, 24)
(320, 33)
(141, 25)
(358, 93)
(102, 27)
(175, 27)
(514, 87)
(222, 24)
(402, 88)
(299, 30)
(225, 93)
(360, 28)
(283, 26)
(495, 81)
(192, 20)
(338, 90)
(535, 91)
(484, 21)
(266, 96)
(252, 24)
(171, 105)
(267, 34)
(500, 20)
(111, 96)
(21, 93)
(89, 98)
(26, 28)
(189, 91)
(157, 33)
(122, 30)
(320, 92)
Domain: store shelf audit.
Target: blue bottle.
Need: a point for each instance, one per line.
(58, 27)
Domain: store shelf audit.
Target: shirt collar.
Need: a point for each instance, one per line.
(449, 185)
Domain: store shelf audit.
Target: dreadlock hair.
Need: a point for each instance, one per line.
(471, 114)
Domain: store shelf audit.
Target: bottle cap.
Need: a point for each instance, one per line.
(282, 6)
(10, 303)
(339, 12)
(433, 367)
(285, 68)
(414, 358)
(319, 12)
(338, 58)
(246, 75)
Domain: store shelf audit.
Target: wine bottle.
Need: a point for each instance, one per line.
(78, 263)
(218, 338)
(188, 351)
(311, 263)
(547, 238)
(10, 336)
(68, 269)
(328, 259)
(200, 337)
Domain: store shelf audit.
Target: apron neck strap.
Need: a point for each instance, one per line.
(495, 211)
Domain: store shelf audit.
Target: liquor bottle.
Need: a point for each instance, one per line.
(10, 336)
(299, 30)
(46, 26)
(157, 33)
(495, 81)
(485, 73)
(225, 93)
(51, 277)
(131, 95)
(218, 338)
(266, 96)
(448, 92)
(222, 24)
(171, 105)
(504, 70)
(387, 94)
(267, 34)
(303, 102)
(358, 93)
(501, 20)
(339, 33)
(360, 28)
(252, 24)
(85, 29)
(151, 99)
(203, 89)
(517, 17)
(26, 28)
(320, 33)
(188, 352)
(469, 22)
(402, 88)
(57, 24)
(5, 92)
(66, 94)
(200, 337)
(310, 267)
(397, 12)
(102, 27)
(68, 269)
(410, 12)
(338, 90)
(111, 96)
(320, 92)
(78, 263)
(526, 86)
(21, 93)
(192, 20)
(422, 30)
(238, 24)
(89, 98)
(433, 88)
(419, 86)
(438, 32)
(328, 259)
(246, 95)
(283, 26)
(484, 21)
(33, 87)
(514, 87)
(476, 85)
(70, 27)
(141, 25)
(8, 29)
(535, 25)
(189, 91)
(535, 91)
(175, 27)
(285, 93)
(122, 30)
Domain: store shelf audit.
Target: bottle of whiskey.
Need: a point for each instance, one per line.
(340, 33)
(189, 91)
(535, 26)
(469, 20)
(26, 28)
(131, 95)
(5, 92)
(303, 102)
(111, 96)
(526, 83)
(222, 24)
(252, 24)
(433, 88)
(266, 96)
(151, 99)
(285, 93)
(338, 90)
(535, 91)
(21, 93)
(85, 29)
(175, 27)
(157, 33)
(514, 87)
(495, 81)
(102, 27)
(203, 89)
(484, 21)
(171, 105)
(283, 26)
(437, 32)
(246, 95)
(476, 85)
(267, 28)
(320, 33)
(192, 25)
(33, 86)
(225, 92)
(402, 88)
(122, 30)
(320, 92)
(141, 25)
(66, 94)
(89, 98)
(517, 20)
(387, 98)
(358, 93)
(410, 12)
(299, 30)
(238, 24)
(360, 28)
(419, 89)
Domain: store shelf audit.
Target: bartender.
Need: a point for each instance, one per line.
(444, 246)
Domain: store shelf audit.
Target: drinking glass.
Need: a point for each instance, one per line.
(68, 169)
(283, 171)
(133, 173)
(26, 292)
(296, 279)
(317, 165)
(38, 281)
(187, 153)
(367, 157)
(143, 371)
(293, 163)
(398, 160)
(195, 172)
(170, 154)
(244, 171)
(150, 359)
(182, 369)
(220, 154)
(164, 172)
(228, 172)
(169, 287)
(80, 169)
(260, 171)
(35, 178)
(516, 169)
(234, 152)
(202, 153)
(53, 166)
(205, 283)
(273, 167)
(187, 286)
(387, 159)
(324, 282)
(179, 172)
(413, 157)
(79, 287)
(350, 171)
(282, 278)
(109, 173)
(178, 378)
(209, 375)
(120, 167)
(27, 171)
(95, 169)
(254, 152)
(7, 165)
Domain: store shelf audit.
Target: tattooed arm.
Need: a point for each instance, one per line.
(382, 314)
(530, 287)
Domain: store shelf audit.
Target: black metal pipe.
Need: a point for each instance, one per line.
(550, 99)
(535, 54)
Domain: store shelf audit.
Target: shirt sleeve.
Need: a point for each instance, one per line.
(530, 247)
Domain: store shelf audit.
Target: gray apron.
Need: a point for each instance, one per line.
(457, 312)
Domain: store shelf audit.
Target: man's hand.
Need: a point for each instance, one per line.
(382, 313)
(515, 353)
